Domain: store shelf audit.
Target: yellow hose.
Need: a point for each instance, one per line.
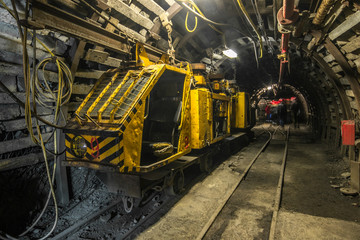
(186, 23)
(197, 9)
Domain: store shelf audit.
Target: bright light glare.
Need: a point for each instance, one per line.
(269, 87)
(230, 53)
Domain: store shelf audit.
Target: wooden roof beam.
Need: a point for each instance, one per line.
(152, 6)
(127, 11)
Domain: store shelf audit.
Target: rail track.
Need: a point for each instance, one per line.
(154, 208)
(159, 200)
(277, 200)
(230, 194)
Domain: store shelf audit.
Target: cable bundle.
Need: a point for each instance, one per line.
(41, 92)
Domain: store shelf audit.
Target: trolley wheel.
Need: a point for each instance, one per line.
(206, 163)
(177, 185)
(128, 203)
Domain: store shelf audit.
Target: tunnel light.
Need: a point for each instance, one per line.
(230, 53)
(269, 88)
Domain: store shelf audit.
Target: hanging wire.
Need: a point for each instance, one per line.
(242, 7)
(261, 24)
(40, 93)
(196, 10)
(186, 22)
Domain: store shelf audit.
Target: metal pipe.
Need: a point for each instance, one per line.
(284, 48)
(285, 42)
(288, 17)
(288, 8)
(322, 11)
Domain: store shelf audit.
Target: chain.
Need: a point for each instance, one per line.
(171, 50)
(168, 25)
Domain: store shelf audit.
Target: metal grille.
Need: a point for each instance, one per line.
(98, 89)
(130, 98)
(115, 94)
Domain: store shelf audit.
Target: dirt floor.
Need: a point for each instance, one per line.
(312, 205)
(311, 208)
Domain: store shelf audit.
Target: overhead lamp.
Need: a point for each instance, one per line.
(269, 88)
(230, 53)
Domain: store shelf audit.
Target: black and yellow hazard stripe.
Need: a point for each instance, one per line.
(111, 151)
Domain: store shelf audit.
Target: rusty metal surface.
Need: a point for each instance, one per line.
(198, 66)
(288, 8)
(286, 16)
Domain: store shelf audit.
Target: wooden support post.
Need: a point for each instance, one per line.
(337, 139)
(343, 150)
(352, 153)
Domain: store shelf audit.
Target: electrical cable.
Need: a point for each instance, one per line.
(186, 23)
(202, 16)
(244, 21)
(242, 7)
(14, 97)
(274, 9)
(261, 24)
(199, 13)
(40, 92)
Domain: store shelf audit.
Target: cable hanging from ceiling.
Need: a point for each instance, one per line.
(186, 22)
(41, 92)
(198, 13)
(196, 10)
(261, 24)
(242, 7)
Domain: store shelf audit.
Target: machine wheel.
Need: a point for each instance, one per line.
(128, 203)
(177, 185)
(206, 163)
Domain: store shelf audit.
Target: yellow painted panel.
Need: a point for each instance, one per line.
(240, 110)
(133, 139)
(200, 121)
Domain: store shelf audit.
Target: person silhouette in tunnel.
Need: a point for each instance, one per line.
(282, 113)
(295, 109)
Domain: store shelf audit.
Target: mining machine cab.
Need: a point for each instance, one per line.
(132, 121)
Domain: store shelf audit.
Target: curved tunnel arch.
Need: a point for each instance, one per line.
(322, 86)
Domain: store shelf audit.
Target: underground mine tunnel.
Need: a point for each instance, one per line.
(179, 119)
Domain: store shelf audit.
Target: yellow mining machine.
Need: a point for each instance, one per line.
(138, 124)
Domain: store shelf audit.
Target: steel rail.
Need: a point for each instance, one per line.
(85, 220)
(151, 215)
(279, 191)
(208, 225)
